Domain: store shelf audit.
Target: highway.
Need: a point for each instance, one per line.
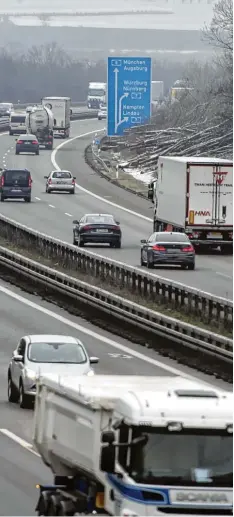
(21, 313)
(53, 213)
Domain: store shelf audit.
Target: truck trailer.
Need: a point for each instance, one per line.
(61, 109)
(39, 122)
(134, 445)
(195, 195)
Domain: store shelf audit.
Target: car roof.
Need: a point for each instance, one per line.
(50, 338)
(15, 170)
(62, 170)
(98, 215)
(27, 137)
(170, 233)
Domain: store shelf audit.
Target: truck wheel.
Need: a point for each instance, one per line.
(66, 508)
(53, 505)
(227, 249)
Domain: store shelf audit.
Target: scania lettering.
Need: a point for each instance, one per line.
(129, 445)
(195, 195)
(201, 498)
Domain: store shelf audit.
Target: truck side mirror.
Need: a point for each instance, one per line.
(108, 437)
(107, 460)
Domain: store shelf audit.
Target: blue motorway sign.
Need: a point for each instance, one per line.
(129, 93)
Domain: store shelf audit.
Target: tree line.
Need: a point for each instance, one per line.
(47, 70)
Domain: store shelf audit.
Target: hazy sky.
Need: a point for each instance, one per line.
(182, 14)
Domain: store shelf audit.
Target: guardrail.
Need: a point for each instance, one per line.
(145, 285)
(135, 315)
(83, 114)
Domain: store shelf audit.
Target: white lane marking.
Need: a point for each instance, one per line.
(52, 206)
(107, 341)
(69, 215)
(223, 274)
(20, 441)
(57, 168)
(38, 198)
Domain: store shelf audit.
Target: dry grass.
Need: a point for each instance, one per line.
(99, 282)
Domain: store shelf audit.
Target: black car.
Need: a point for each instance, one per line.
(97, 229)
(168, 248)
(15, 184)
(27, 144)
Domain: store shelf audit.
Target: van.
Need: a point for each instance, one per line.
(15, 184)
(17, 124)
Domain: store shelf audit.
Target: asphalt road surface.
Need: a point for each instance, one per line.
(54, 213)
(20, 468)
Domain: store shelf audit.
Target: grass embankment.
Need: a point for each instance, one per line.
(159, 306)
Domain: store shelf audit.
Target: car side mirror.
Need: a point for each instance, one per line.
(75, 222)
(143, 241)
(117, 222)
(74, 177)
(94, 360)
(46, 177)
(18, 358)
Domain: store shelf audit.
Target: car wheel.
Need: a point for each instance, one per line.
(118, 244)
(37, 153)
(2, 198)
(150, 264)
(27, 199)
(17, 152)
(72, 191)
(191, 267)
(48, 191)
(74, 242)
(99, 118)
(12, 392)
(80, 243)
(24, 400)
(10, 133)
(142, 261)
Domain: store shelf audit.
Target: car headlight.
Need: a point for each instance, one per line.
(90, 373)
(30, 374)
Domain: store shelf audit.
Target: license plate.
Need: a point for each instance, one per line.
(214, 235)
(100, 230)
(16, 190)
(27, 143)
(171, 250)
(61, 182)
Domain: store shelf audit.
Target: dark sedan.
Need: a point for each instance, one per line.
(97, 229)
(168, 248)
(27, 144)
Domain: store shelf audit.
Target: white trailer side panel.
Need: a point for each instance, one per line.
(171, 191)
(61, 111)
(206, 198)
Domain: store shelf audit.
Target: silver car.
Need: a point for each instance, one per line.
(41, 354)
(60, 181)
(102, 113)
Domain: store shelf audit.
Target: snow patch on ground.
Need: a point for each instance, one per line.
(145, 177)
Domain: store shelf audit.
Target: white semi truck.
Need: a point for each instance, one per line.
(131, 446)
(195, 195)
(61, 109)
(96, 95)
(39, 122)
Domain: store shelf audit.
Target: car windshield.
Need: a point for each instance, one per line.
(100, 219)
(174, 237)
(5, 105)
(61, 174)
(18, 118)
(56, 353)
(194, 457)
(19, 177)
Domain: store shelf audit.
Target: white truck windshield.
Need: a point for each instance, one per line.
(188, 458)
